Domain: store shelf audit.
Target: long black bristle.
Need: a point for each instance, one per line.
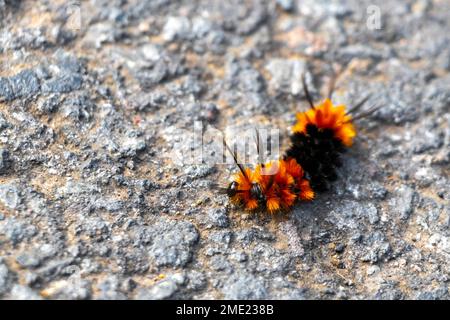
(258, 148)
(307, 94)
(367, 113)
(359, 105)
(332, 84)
(241, 168)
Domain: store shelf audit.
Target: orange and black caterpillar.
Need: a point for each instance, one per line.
(274, 186)
(320, 135)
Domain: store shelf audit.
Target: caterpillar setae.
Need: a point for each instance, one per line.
(319, 137)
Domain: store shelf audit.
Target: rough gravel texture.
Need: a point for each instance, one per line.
(94, 204)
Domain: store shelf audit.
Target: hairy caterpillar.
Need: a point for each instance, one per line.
(319, 136)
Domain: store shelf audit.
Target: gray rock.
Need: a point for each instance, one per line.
(389, 291)
(49, 105)
(176, 27)
(62, 84)
(172, 242)
(219, 242)
(28, 260)
(403, 204)
(440, 293)
(131, 145)
(16, 231)
(431, 139)
(378, 248)
(251, 235)
(287, 75)
(372, 213)
(57, 267)
(134, 262)
(250, 80)
(3, 122)
(19, 292)
(22, 85)
(4, 277)
(72, 289)
(101, 33)
(218, 217)
(6, 91)
(196, 281)
(67, 62)
(42, 72)
(31, 279)
(78, 107)
(339, 248)
(220, 263)
(360, 52)
(252, 21)
(164, 289)
(201, 27)
(148, 101)
(110, 289)
(151, 52)
(150, 78)
(287, 5)
(5, 161)
(373, 270)
(244, 286)
(34, 257)
(324, 8)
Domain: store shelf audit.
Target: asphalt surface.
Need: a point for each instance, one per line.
(97, 202)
